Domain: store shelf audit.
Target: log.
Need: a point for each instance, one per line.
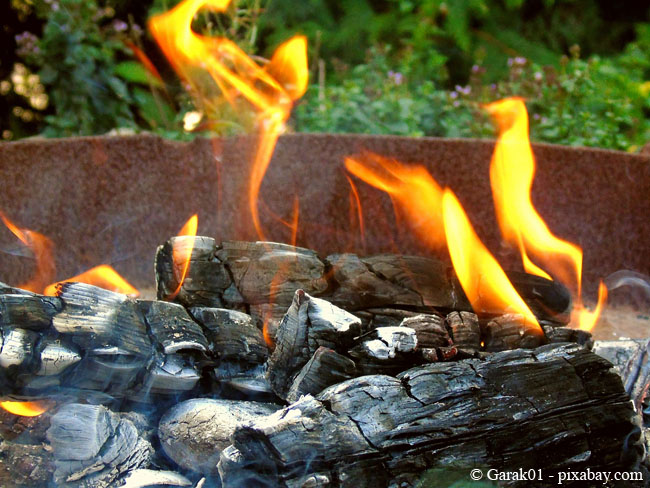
(194, 432)
(465, 332)
(512, 331)
(561, 400)
(386, 350)
(308, 324)
(94, 447)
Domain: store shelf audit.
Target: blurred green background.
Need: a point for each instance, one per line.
(417, 68)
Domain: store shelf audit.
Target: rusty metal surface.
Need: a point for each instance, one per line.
(114, 199)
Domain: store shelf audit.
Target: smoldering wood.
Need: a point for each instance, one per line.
(172, 327)
(465, 331)
(144, 478)
(430, 330)
(17, 348)
(232, 335)
(325, 368)
(560, 398)
(512, 331)
(32, 312)
(567, 334)
(243, 378)
(24, 464)
(194, 432)
(94, 447)
(206, 278)
(383, 317)
(308, 324)
(56, 357)
(169, 374)
(386, 350)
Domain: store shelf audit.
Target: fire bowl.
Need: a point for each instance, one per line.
(113, 200)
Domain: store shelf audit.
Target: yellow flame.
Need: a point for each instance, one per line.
(42, 248)
(271, 89)
(181, 255)
(484, 282)
(25, 409)
(103, 276)
(512, 171)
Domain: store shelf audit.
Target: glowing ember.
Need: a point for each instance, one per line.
(103, 276)
(182, 254)
(233, 75)
(42, 249)
(25, 409)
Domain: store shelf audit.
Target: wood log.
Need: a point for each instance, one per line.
(147, 478)
(465, 332)
(194, 432)
(172, 327)
(512, 331)
(308, 324)
(560, 401)
(31, 312)
(386, 350)
(93, 447)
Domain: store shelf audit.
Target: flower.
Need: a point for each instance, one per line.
(396, 77)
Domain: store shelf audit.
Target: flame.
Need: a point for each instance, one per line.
(355, 203)
(103, 276)
(438, 218)
(294, 221)
(484, 282)
(411, 187)
(42, 248)
(25, 409)
(271, 90)
(511, 174)
(181, 255)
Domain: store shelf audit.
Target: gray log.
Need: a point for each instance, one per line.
(429, 329)
(308, 324)
(562, 399)
(194, 432)
(465, 331)
(172, 326)
(28, 311)
(386, 350)
(94, 447)
(511, 331)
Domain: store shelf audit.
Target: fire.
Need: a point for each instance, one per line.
(25, 409)
(182, 254)
(511, 174)
(484, 282)
(42, 249)
(438, 218)
(103, 276)
(270, 90)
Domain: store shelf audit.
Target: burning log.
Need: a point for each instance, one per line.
(465, 331)
(511, 331)
(193, 433)
(94, 447)
(562, 399)
(386, 350)
(265, 276)
(145, 478)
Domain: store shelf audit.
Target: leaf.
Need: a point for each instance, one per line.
(155, 111)
(134, 72)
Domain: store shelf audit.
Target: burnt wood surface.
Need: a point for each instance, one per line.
(554, 407)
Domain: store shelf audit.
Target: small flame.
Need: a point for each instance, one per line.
(484, 282)
(586, 319)
(25, 409)
(182, 255)
(356, 211)
(271, 89)
(103, 276)
(42, 248)
(438, 218)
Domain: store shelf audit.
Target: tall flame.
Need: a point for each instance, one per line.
(25, 409)
(271, 90)
(103, 276)
(511, 174)
(42, 248)
(437, 217)
(182, 254)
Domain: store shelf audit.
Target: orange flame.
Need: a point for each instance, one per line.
(438, 218)
(484, 282)
(42, 249)
(25, 409)
(182, 255)
(271, 90)
(103, 276)
(511, 173)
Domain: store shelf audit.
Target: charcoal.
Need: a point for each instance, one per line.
(232, 335)
(56, 357)
(94, 316)
(32, 312)
(512, 331)
(170, 374)
(561, 398)
(567, 334)
(465, 331)
(109, 369)
(386, 349)
(194, 432)
(430, 330)
(308, 324)
(16, 347)
(243, 378)
(172, 327)
(25, 464)
(383, 317)
(325, 368)
(144, 478)
(205, 279)
(93, 447)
